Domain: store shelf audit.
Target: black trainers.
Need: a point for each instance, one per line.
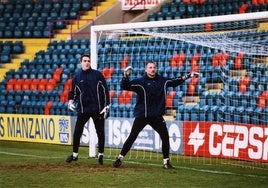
(168, 165)
(117, 162)
(71, 158)
(100, 160)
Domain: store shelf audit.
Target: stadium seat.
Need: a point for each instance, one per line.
(195, 113)
(26, 84)
(57, 74)
(264, 117)
(10, 108)
(152, 16)
(191, 89)
(42, 84)
(229, 114)
(187, 112)
(213, 113)
(107, 73)
(5, 57)
(203, 112)
(17, 47)
(18, 84)
(112, 94)
(125, 97)
(64, 96)
(238, 114)
(256, 116)
(10, 84)
(221, 112)
(47, 107)
(3, 104)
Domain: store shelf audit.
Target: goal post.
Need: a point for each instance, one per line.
(223, 106)
(96, 29)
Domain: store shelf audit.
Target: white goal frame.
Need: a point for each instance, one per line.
(96, 30)
(178, 22)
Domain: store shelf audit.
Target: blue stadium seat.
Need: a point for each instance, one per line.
(86, 5)
(203, 112)
(239, 112)
(10, 108)
(246, 118)
(2, 7)
(221, 112)
(4, 57)
(152, 16)
(187, 112)
(210, 113)
(229, 114)
(264, 117)
(195, 113)
(256, 117)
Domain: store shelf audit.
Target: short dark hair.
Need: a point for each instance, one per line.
(149, 62)
(84, 55)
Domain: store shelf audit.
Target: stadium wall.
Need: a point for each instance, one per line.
(206, 139)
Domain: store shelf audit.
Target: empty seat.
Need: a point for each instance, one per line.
(169, 99)
(47, 107)
(18, 84)
(125, 97)
(5, 57)
(86, 5)
(107, 73)
(34, 84)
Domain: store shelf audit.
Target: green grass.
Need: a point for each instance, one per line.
(42, 165)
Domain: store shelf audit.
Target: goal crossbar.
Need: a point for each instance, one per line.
(167, 23)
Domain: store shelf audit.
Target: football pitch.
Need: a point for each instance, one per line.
(42, 165)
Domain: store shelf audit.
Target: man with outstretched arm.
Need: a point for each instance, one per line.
(151, 92)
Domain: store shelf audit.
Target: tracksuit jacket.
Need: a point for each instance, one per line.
(90, 91)
(151, 94)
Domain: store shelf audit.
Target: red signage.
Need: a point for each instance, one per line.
(226, 140)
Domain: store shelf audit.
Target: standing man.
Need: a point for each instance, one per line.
(90, 91)
(150, 107)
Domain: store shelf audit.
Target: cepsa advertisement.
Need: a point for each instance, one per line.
(208, 139)
(226, 140)
(36, 128)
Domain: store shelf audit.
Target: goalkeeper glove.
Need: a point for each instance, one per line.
(191, 74)
(128, 70)
(71, 105)
(105, 111)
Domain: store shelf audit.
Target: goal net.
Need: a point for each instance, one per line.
(221, 114)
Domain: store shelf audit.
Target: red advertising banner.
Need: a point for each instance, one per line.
(226, 140)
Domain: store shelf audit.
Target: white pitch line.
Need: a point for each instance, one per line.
(27, 155)
(202, 170)
(150, 164)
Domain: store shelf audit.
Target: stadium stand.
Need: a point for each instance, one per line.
(46, 78)
(26, 19)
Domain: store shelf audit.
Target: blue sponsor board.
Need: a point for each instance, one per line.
(118, 129)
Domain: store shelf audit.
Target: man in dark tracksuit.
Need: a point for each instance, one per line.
(90, 91)
(151, 92)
